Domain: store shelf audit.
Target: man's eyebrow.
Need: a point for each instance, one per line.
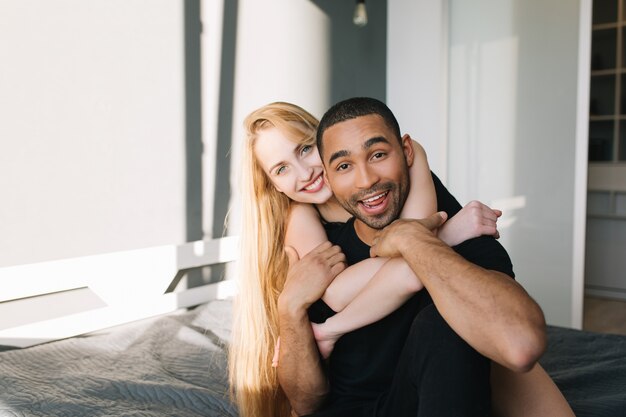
(368, 144)
(373, 141)
(338, 154)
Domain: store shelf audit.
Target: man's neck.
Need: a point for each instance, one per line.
(331, 211)
(364, 232)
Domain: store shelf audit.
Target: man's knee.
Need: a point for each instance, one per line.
(446, 370)
(429, 326)
(432, 340)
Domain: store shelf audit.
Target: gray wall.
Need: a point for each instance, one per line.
(358, 56)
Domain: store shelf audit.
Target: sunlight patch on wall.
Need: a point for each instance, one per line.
(483, 97)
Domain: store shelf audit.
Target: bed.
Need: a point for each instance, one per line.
(174, 364)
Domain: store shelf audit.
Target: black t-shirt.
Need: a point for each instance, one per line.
(363, 362)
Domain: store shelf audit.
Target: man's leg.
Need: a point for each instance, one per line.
(438, 374)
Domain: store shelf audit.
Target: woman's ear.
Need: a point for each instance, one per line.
(407, 148)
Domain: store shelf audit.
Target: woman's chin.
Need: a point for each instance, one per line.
(319, 197)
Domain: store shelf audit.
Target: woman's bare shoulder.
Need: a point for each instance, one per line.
(297, 210)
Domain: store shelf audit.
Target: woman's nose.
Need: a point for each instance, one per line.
(305, 172)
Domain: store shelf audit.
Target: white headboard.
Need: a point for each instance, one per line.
(123, 287)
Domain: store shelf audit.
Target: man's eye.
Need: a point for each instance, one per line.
(378, 155)
(305, 149)
(342, 167)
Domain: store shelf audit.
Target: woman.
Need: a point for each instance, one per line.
(281, 164)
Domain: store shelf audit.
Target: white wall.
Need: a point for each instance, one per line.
(92, 137)
(517, 125)
(417, 81)
(109, 138)
(498, 93)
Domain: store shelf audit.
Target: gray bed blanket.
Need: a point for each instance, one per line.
(590, 370)
(174, 365)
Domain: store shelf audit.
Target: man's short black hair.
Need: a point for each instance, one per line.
(353, 108)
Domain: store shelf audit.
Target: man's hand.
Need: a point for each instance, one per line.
(390, 241)
(308, 278)
(475, 219)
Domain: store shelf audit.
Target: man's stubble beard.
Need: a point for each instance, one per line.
(398, 193)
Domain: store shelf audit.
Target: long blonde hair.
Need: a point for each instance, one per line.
(263, 267)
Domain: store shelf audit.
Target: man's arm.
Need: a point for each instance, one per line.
(300, 370)
(488, 309)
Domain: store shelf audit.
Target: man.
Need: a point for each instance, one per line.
(431, 356)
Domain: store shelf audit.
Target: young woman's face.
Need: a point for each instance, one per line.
(295, 170)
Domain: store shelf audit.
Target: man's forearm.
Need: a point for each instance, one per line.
(300, 371)
(492, 312)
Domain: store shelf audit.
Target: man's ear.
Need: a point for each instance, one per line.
(407, 148)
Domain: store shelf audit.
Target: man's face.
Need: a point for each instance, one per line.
(367, 168)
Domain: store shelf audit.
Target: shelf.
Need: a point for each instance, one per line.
(607, 95)
(611, 25)
(607, 118)
(605, 216)
(611, 71)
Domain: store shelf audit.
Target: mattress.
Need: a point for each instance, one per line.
(175, 365)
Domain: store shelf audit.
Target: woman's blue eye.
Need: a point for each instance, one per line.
(305, 149)
(280, 170)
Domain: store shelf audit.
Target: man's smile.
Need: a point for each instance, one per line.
(375, 204)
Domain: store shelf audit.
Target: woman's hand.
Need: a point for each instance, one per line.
(475, 219)
(308, 278)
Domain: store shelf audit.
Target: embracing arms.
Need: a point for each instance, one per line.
(488, 309)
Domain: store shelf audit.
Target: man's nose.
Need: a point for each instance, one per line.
(365, 177)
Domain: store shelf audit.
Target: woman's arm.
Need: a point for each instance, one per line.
(392, 285)
(475, 219)
(304, 229)
(363, 293)
(304, 232)
(422, 199)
